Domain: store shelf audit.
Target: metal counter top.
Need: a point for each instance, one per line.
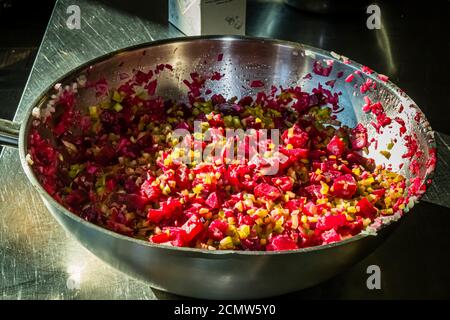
(39, 261)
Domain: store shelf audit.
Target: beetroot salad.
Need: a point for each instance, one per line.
(301, 179)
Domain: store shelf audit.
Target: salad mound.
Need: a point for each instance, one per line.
(121, 164)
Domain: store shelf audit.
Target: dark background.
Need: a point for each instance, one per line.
(412, 48)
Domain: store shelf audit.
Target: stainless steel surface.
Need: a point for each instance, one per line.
(38, 259)
(439, 190)
(9, 133)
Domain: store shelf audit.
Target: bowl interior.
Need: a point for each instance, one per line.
(243, 60)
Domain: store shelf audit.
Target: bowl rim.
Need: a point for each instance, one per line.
(212, 253)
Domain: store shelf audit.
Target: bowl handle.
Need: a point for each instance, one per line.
(439, 190)
(9, 133)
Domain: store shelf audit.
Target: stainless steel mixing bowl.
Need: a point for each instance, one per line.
(232, 274)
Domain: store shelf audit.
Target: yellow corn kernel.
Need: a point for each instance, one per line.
(325, 188)
(197, 189)
(294, 221)
(239, 206)
(248, 203)
(244, 231)
(166, 190)
(388, 202)
(356, 171)
(117, 96)
(386, 154)
(168, 160)
(366, 222)
(231, 221)
(290, 194)
(349, 217)
(351, 209)
(226, 243)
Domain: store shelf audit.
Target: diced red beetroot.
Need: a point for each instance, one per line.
(298, 138)
(151, 87)
(314, 191)
(217, 99)
(359, 137)
(110, 184)
(212, 201)
(310, 209)
(161, 238)
(267, 191)
(284, 183)
(171, 207)
(336, 146)
(217, 76)
(141, 77)
(349, 78)
(331, 83)
(182, 177)
(351, 228)
(411, 145)
(379, 193)
(330, 236)
(331, 222)
(383, 78)
(295, 153)
(257, 84)
(320, 70)
(150, 191)
(217, 229)
(155, 215)
(366, 209)
(106, 155)
(192, 227)
(170, 236)
(366, 69)
(132, 201)
(76, 199)
(281, 242)
(354, 157)
(251, 244)
(383, 120)
(245, 219)
(294, 204)
(344, 186)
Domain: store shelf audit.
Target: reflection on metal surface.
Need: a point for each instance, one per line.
(439, 190)
(37, 259)
(385, 45)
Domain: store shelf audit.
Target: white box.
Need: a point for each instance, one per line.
(202, 17)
